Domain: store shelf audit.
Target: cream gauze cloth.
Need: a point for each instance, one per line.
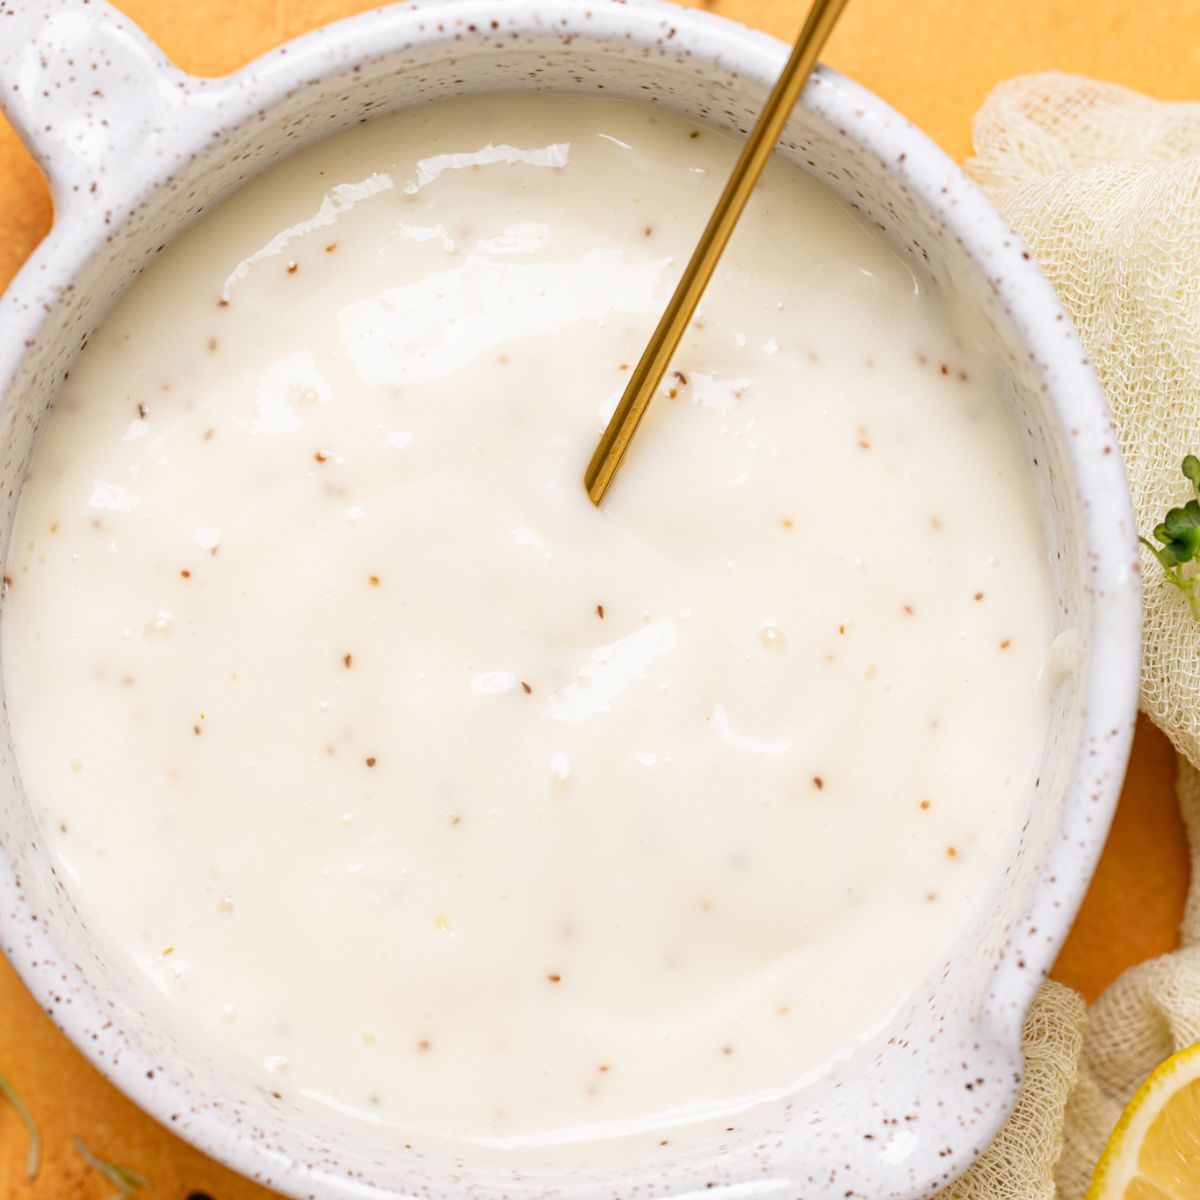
(1104, 186)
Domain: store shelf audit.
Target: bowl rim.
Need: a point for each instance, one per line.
(206, 108)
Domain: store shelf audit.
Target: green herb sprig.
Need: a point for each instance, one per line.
(1179, 539)
(122, 1178)
(34, 1158)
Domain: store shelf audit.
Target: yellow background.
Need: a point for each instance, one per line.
(934, 60)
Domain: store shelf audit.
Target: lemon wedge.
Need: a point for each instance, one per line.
(1154, 1151)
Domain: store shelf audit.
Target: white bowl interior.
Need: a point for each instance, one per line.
(911, 1108)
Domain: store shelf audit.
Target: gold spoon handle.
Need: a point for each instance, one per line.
(649, 372)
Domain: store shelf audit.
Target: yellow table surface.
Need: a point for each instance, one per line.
(934, 60)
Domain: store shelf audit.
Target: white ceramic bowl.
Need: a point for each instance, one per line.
(134, 150)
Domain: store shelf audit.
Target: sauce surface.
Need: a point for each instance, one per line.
(410, 784)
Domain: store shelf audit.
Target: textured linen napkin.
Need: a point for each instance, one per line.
(1104, 186)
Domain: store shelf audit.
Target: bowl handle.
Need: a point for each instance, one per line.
(90, 95)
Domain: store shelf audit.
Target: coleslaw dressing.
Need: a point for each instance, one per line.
(411, 785)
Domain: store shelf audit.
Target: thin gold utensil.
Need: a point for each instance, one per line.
(649, 372)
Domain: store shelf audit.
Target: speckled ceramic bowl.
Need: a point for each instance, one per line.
(135, 150)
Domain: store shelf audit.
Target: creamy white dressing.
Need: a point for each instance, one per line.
(414, 786)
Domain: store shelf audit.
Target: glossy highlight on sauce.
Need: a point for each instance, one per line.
(412, 786)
